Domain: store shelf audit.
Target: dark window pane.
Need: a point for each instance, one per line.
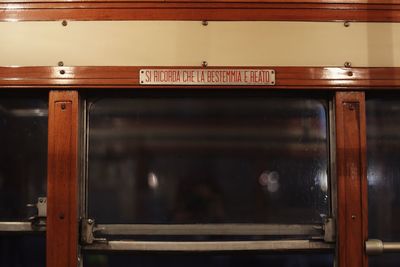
(209, 260)
(23, 157)
(383, 137)
(22, 251)
(387, 260)
(197, 159)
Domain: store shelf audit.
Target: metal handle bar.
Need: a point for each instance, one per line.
(21, 227)
(378, 247)
(204, 246)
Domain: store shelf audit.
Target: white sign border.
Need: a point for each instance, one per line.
(144, 82)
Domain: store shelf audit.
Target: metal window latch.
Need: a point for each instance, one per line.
(329, 230)
(88, 228)
(39, 218)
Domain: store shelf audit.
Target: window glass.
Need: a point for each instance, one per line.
(23, 250)
(23, 169)
(23, 157)
(202, 158)
(383, 140)
(211, 260)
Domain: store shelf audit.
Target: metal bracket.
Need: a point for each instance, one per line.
(329, 229)
(87, 236)
(39, 219)
(374, 247)
(88, 228)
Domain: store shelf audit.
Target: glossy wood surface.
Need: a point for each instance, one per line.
(351, 178)
(212, 1)
(62, 207)
(227, 10)
(128, 77)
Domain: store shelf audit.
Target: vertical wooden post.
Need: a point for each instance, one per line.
(352, 180)
(62, 183)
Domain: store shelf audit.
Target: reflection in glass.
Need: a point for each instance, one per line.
(23, 157)
(192, 158)
(209, 260)
(383, 140)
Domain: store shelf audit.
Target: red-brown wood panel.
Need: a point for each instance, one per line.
(352, 180)
(210, 1)
(62, 202)
(226, 10)
(128, 77)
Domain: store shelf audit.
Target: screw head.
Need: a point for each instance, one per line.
(90, 221)
(60, 63)
(62, 72)
(204, 64)
(346, 24)
(347, 64)
(64, 23)
(204, 23)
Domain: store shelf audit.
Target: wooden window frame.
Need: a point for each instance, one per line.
(352, 185)
(62, 180)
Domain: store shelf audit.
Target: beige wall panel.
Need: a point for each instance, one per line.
(188, 43)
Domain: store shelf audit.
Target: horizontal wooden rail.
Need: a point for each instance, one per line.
(231, 10)
(128, 77)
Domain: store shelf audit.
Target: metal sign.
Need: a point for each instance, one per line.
(207, 76)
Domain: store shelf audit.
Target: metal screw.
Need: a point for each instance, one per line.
(351, 107)
(60, 63)
(347, 64)
(350, 73)
(64, 23)
(346, 24)
(62, 72)
(61, 216)
(90, 221)
(204, 23)
(353, 217)
(41, 200)
(63, 106)
(204, 64)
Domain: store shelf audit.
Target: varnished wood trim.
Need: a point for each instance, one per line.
(212, 1)
(62, 181)
(352, 180)
(128, 77)
(362, 10)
